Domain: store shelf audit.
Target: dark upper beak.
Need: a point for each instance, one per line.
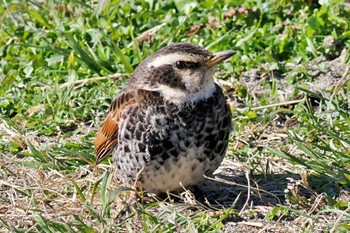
(219, 57)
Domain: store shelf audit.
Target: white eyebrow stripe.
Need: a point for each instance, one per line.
(170, 59)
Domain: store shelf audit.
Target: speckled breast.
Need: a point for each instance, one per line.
(164, 147)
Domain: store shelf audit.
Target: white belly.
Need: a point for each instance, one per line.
(175, 175)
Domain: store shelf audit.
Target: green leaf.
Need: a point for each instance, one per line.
(104, 194)
(251, 115)
(84, 55)
(310, 46)
(70, 59)
(185, 6)
(40, 19)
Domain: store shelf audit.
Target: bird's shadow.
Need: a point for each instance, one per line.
(228, 189)
(244, 189)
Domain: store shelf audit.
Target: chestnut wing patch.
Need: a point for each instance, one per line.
(107, 136)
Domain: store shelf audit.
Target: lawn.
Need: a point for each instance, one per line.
(287, 168)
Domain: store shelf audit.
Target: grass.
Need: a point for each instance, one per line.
(287, 166)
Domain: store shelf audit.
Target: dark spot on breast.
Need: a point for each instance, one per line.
(158, 121)
(131, 120)
(161, 161)
(209, 129)
(157, 166)
(130, 127)
(126, 149)
(211, 145)
(216, 99)
(209, 137)
(202, 109)
(149, 139)
(167, 144)
(173, 152)
(155, 149)
(137, 159)
(198, 142)
(127, 136)
(142, 147)
(194, 166)
(140, 127)
(128, 157)
(202, 158)
(165, 156)
(138, 134)
(184, 115)
(210, 101)
(140, 117)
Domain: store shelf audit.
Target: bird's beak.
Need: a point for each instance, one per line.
(219, 57)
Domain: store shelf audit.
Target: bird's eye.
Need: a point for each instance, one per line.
(185, 64)
(180, 65)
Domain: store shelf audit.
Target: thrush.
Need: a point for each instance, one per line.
(169, 126)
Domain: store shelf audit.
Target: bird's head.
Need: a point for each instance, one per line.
(180, 72)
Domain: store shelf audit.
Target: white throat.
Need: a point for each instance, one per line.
(178, 96)
(197, 88)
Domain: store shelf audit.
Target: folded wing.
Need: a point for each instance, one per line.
(107, 136)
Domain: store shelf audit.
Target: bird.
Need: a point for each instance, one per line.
(169, 126)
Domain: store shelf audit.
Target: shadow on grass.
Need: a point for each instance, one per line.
(273, 189)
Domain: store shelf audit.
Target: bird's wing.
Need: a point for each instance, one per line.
(107, 136)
